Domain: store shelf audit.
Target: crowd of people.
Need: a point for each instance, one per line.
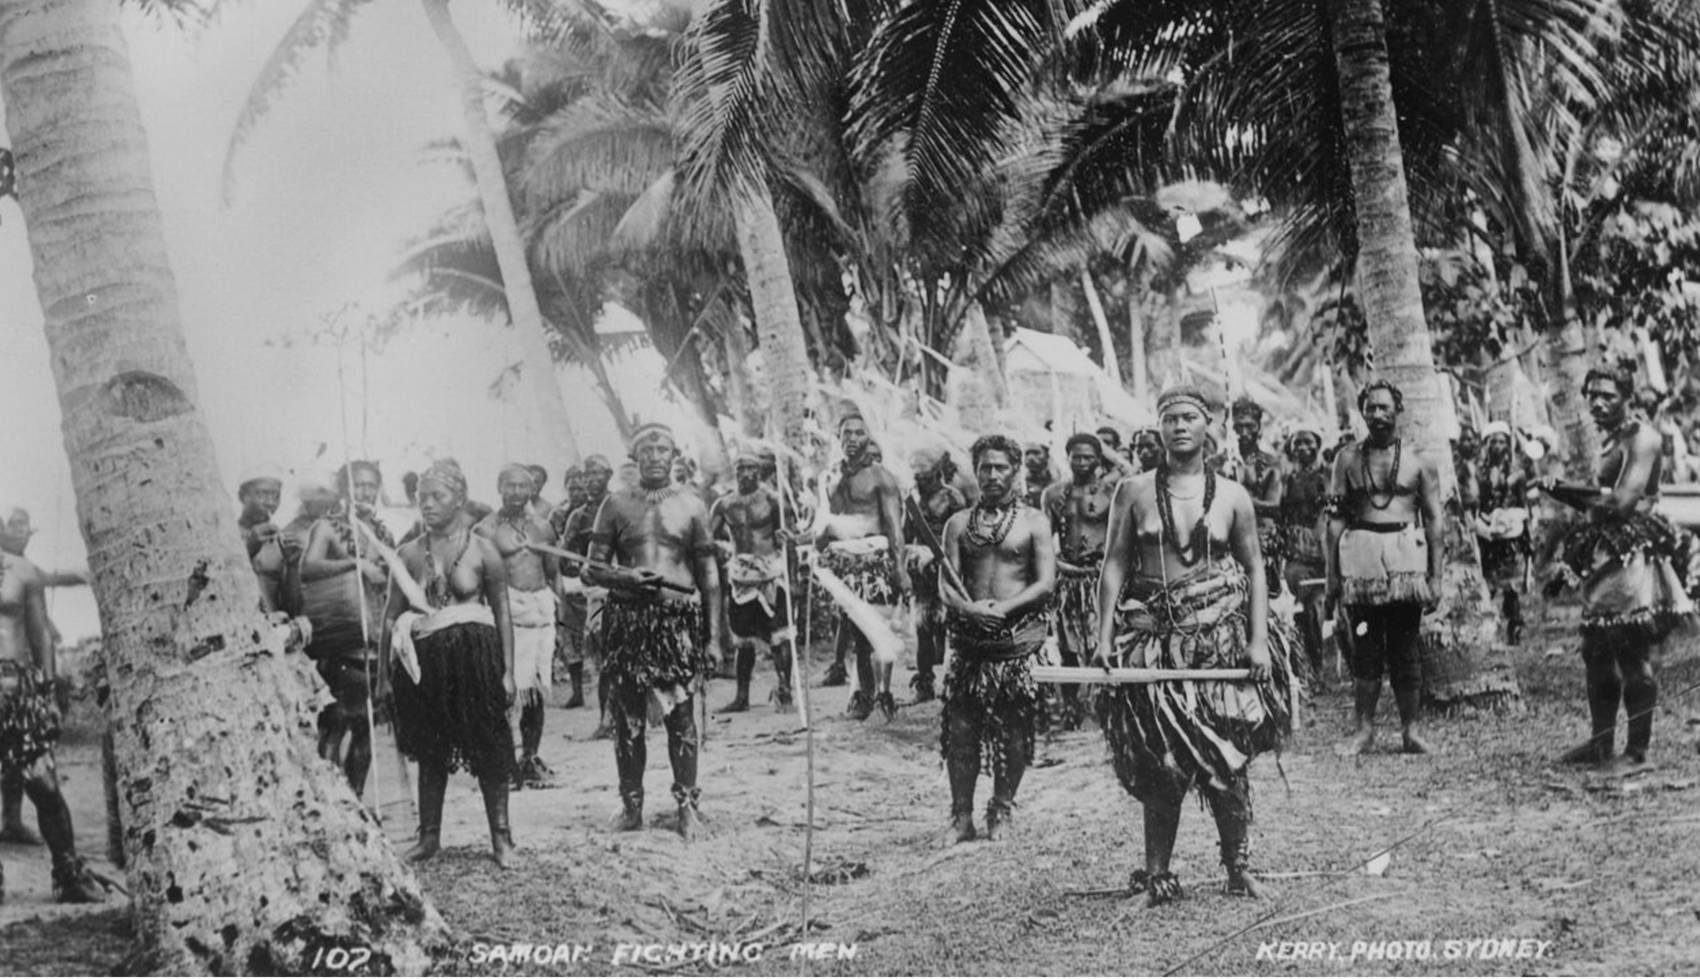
(1153, 569)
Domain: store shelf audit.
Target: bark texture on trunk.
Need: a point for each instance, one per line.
(1138, 375)
(1461, 661)
(785, 352)
(527, 317)
(245, 852)
(1568, 355)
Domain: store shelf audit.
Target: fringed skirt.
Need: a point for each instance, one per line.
(864, 565)
(1381, 567)
(29, 715)
(1077, 611)
(1167, 737)
(654, 644)
(456, 716)
(991, 678)
(1629, 570)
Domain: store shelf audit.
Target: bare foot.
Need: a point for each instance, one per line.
(19, 834)
(690, 823)
(1586, 753)
(425, 849)
(502, 850)
(1359, 743)
(628, 819)
(1415, 745)
(961, 829)
(998, 819)
(1241, 883)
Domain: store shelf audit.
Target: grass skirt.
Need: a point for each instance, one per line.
(1630, 571)
(991, 676)
(1077, 611)
(456, 716)
(654, 644)
(1179, 734)
(29, 716)
(1382, 568)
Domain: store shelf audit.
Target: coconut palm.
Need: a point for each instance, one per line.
(245, 854)
(325, 24)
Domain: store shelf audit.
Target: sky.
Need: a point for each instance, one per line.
(329, 188)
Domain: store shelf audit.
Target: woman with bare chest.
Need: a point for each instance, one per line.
(454, 672)
(1184, 577)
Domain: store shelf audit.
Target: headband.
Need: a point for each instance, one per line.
(1184, 395)
(446, 473)
(519, 469)
(652, 430)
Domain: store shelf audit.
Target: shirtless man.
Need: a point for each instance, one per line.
(1381, 564)
(866, 504)
(570, 611)
(540, 506)
(260, 497)
(584, 603)
(653, 621)
(937, 501)
(29, 721)
(748, 523)
(1624, 558)
(1078, 509)
(1304, 497)
(1002, 551)
(1260, 474)
(531, 609)
(1148, 449)
(1036, 458)
(344, 587)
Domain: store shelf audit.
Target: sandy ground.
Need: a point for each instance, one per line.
(1490, 841)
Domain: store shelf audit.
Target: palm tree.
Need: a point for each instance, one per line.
(325, 23)
(244, 852)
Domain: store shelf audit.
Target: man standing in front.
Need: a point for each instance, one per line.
(531, 610)
(1078, 509)
(658, 651)
(862, 543)
(1384, 554)
(1001, 550)
(757, 610)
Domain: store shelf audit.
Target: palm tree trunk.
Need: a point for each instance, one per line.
(1393, 306)
(736, 350)
(1163, 341)
(245, 853)
(1139, 379)
(1111, 366)
(785, 352)
(527, 317)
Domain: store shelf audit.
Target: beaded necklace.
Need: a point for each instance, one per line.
(1002, 521)
(1392, 477)
(437, 586)
(1196, 544)
(663, 494)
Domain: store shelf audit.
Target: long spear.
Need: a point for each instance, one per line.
(799, 667)
(359, 574)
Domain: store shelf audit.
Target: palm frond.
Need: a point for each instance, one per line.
(600, 143)
(323, 24)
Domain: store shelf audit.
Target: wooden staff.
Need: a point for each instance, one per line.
(1130, 675)
(605, 566)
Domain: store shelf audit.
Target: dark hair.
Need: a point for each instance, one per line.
(1114, 438)
(1619, 379)
(539, 474)
(849, 417)
(1246, 406)
(994, 443)
(1381, 384)
(1142, 432)
(248, 485)
(345, 472)
(1082, 438)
